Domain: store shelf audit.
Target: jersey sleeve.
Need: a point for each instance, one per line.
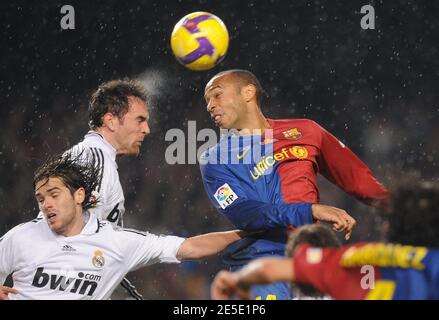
(6, 257)
(343, 168)
(229, 197)
(143, 248)
(320, 267)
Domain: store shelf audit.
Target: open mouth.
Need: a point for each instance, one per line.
(51, 217)
(216, 118)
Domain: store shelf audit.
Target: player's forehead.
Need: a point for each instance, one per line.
(137, 107)
(51, 183)
(220, 81)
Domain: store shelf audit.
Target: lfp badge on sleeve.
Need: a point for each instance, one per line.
(225, 196)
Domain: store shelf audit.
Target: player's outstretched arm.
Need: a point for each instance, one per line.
(5, 291)
(206, 245)
(261, 271)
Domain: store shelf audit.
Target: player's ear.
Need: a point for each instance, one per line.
(109, 121)
(79, 195)
(248, 92)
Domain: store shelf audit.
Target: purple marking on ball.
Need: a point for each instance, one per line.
(205, 47)
(191, 25)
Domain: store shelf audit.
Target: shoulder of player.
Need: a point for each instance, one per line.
(210, 155)
(25, 228)
(94, 150)
(94, 142)
(302, 122)
(212, 151)
(304, 129)
(218, 154)
(129, 232)
(124, 239)
(105, 226)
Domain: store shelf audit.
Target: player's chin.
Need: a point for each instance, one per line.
(135, 149)
(55, 226)
(223, 124)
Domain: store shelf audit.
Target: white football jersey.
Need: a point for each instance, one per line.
(91, 265)
(109, 193)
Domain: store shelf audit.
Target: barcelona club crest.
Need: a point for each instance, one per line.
(98, 259)
(292, 134)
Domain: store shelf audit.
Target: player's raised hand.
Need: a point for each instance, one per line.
(340, 219)
(5, 291)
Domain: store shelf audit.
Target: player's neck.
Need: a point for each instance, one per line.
(109, 138)
(75, 227)
(253, 121)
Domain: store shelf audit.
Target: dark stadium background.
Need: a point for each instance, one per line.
(376, 90)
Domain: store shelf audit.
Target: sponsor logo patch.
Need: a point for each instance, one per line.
(225, 196)
(299, 152)
(82, 283)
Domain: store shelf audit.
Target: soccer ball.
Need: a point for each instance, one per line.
(199, 41)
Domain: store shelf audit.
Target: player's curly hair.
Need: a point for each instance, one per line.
(112, 96)
(75, 170)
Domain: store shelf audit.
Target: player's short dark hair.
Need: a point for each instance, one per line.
(75, 171)
(112, 97)
(245, 77)
(414, 215)
(317, 235)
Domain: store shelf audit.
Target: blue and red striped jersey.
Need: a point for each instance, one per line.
(268, 182)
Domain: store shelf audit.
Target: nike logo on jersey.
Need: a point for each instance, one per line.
(242, 155)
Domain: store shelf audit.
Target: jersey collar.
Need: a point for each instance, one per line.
(91, 227)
